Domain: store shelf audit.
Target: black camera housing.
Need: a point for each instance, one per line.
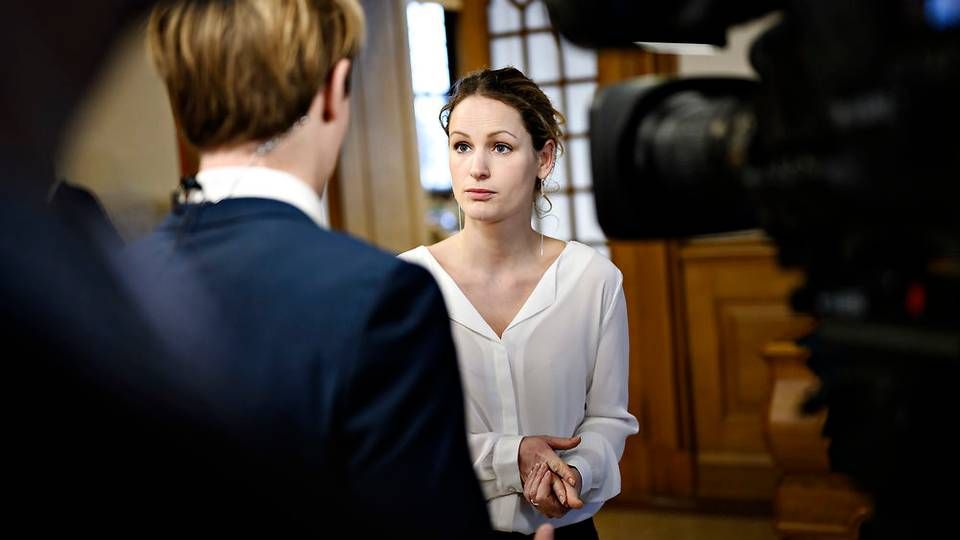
(846, 152)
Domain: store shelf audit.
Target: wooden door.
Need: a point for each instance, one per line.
(735, 302)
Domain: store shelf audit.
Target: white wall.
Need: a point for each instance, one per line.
(122, 141)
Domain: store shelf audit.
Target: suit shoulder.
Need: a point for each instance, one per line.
(337, 252)
(353, 265)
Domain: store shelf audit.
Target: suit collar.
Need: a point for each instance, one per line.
(207, 214)
(223, 183)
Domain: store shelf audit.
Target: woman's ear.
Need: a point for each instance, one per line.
(545, 158)
(335, 92)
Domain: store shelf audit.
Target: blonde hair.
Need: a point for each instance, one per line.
(247, 70)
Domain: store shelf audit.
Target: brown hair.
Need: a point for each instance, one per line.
(247, 70)
(511, 87)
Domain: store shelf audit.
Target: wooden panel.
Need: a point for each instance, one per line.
(735, 303)
(794, 439)
(749, 476)
(334, 200)
(473, 40)
(656, 462)
(745, 325)
(819, 507)
(811, 503)
(187, 154)
(617, 65)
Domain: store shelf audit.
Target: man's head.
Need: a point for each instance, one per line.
(246, 71)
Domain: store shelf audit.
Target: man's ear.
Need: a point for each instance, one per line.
(335, 92)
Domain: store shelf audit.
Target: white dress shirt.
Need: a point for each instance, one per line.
(559, 369)
(221, 183)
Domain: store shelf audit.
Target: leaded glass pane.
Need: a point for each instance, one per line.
(578, 62)
(544, 57)
(557, 222)
(502, 16)
(588, 229)
(579, 98)
(507, 52)
(578, 154)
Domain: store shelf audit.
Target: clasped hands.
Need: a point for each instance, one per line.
(549, 485)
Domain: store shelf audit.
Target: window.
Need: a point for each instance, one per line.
(430, 75)
(521, 36)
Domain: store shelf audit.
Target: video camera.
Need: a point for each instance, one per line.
(846, 151)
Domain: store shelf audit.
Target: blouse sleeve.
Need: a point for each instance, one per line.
(606, 423)
(495, 463)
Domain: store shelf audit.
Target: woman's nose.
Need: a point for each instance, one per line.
(478, 167)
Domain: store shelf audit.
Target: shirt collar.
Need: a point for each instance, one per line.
(262, 183)
(461, 310)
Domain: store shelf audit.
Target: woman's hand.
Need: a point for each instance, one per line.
(540, 449)
(548, 494)
(564, 480)
(538, 490)
(574, 491)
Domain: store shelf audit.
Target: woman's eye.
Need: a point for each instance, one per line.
(501, 148)
(461, 147)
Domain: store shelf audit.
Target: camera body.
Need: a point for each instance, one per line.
(845, 152)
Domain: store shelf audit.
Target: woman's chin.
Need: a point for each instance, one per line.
(490, 215)
(484, 220)
(482, 215)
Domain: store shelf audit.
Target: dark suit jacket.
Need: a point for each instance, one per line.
(80, 208)
(330, 359)
(106, 432)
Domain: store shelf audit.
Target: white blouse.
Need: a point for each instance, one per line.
(560, 369)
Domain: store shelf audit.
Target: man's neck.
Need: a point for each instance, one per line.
(244, 155)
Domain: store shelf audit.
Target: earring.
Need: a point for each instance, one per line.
(460, 216)
(542, 196)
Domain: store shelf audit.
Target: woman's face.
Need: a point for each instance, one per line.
(493, 162)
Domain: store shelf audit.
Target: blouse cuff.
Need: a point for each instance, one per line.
(505, 466)
(586, 475)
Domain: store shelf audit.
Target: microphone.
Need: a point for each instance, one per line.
(181, 195)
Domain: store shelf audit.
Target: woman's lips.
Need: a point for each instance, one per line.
(480, 194)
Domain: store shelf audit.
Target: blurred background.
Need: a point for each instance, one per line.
(713, 380)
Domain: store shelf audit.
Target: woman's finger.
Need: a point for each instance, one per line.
(530, 486)
(559, 488)
(535, 499)
(544, 487)
(573, 498)
(561, 469)
(531, 474)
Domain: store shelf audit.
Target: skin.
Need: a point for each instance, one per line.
(496, 259)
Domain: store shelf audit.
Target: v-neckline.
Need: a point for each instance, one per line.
(534, 303)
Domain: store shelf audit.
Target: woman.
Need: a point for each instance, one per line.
(540, 324)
